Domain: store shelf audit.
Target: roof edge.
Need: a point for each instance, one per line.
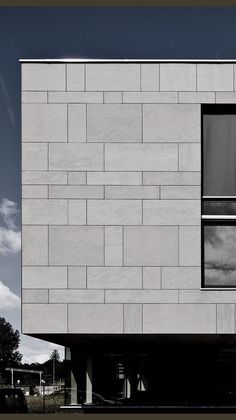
(123, 60)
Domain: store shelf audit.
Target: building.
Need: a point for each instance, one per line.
(128, 246)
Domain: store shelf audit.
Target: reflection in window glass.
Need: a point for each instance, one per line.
(220, 255)
(219, 207)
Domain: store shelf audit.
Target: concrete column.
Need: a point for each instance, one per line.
(89, 381)
(73, 388)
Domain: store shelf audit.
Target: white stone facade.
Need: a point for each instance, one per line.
(111, 198)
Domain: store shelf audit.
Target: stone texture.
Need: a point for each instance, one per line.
(112, 97)
(130, 192)
(34, 296)
(197, 97)
(34, 191)
(225, 318)
(113, 76)
(76, 156)
(113, 245)
(42, 76)
(171, 122)
(174, 212)
(34, 156)
(95, 318)
(226, 97)
(151, 245)
(114, 278)
(180, 192)
(171, 178)
(189, 246)
(44, 212)
(75, 97)
(44, 177)
(34, 97)
(133, 320)
(179, 319)
(77, 178)
(189, 157)
(77, 212)
(150, 77)
(75, 76)
(34, 245)
(77, 278)
(215, 77)
(206, 296)
(44, 277)
(76, 245)
(141, 296)
(181, 277)
(76, 191)
(44, 123)
(177, 76)
(114, 178)
(151, 277)
(114, 212)
(114, 123)
(44, 318)
(77, 122)
(141, 157)
(76, 296)
(150, 97)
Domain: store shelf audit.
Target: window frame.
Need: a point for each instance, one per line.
(220, 220)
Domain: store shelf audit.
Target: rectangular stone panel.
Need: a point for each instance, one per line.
(75, 76)
(114, 212)
(225, 318)
(35, 245)
(44, 318)
(189, 246)
(34, 296)
(207, 296)
(34, 191)
(181, 277)
(77, 212)
(77, 278)
(75, 97)
(197, 97)
(44, 212)
(114, 178)
(130, 192)
(76, 191)
(76, 296)
(44, 123)
(174, 212)
(141, 157)
(189, 157)
(114, 123)
(44, 177)
(133, 319)
(76, 157)
(43, 76)
(171, 122)
(113, 76)
(179, 319)
(113, 245)
(151, 245)
(34, 97)
(77, 178)
(34, 156)
(76, 245)
(114, 278)
(112, 97)
(150, 97)
(216, 77)
(95, 318)
(226, 97)
(44, 277)
(177, 76)
(180, 192)
(151, 277)
(171, 178)
(141, 296)
(77, 122)
(150, 76)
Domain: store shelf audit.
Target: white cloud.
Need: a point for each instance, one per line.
(8, 299)
(9, 211)
(10, 241)
(35, 350)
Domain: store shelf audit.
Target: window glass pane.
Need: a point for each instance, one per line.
(219, 151)
(219, 207)
(220, 255)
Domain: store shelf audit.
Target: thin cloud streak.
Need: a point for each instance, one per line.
(8, 103)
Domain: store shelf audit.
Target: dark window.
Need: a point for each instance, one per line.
(219, 195)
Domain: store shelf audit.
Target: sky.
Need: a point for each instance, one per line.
(82, 33)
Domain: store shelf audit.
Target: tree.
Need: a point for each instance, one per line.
(9, 342)
(55, 355)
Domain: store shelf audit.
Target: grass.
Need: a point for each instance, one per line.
(52, 403)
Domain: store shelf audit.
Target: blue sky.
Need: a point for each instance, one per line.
(83, 33)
